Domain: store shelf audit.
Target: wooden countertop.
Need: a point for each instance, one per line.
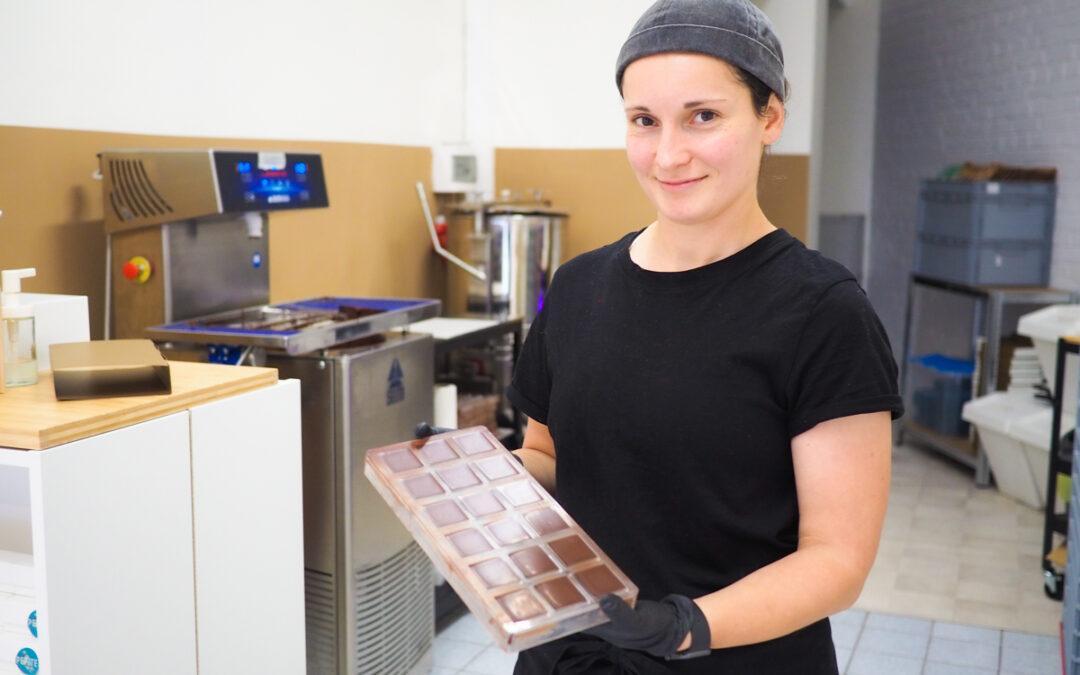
(32, 419)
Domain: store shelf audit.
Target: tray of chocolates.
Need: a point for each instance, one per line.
(518, 561)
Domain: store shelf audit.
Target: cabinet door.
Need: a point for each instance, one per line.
(249, 554)
(112, 529)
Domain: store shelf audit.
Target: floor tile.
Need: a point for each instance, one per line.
(845, 634)
(892, 642)
(843, 657)
(849, 617)
(899, 624)
(955, 631)
(1030, 663)
(1026, 642)
(467, 629)
(932, 668)
(870, 663)
(454, 653)
(491, 661)
(960, 653)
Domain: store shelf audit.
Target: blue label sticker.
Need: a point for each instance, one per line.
(256, 260)
(31, 623)
(27, 661)
(395, 388)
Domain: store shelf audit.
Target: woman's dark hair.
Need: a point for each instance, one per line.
(759, 91)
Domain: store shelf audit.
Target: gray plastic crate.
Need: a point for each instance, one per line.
(987, 211)
(993, 263)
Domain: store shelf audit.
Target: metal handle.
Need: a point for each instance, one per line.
(475, 271)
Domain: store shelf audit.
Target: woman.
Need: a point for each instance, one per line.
(709, 399)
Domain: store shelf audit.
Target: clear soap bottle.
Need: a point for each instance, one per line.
(17, 330)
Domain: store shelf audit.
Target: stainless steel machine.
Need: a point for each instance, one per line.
(509, 250)
(188, 230)
(188, 233)
(368, 586)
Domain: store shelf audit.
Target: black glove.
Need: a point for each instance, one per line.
(657, 628)
(423, 430)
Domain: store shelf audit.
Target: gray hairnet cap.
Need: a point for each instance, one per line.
(733, 30)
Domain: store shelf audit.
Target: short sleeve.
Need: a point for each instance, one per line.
(843, 362)
(530, 389)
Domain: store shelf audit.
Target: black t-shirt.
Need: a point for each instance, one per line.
(672, 399)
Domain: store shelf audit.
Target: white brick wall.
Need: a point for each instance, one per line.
(978, 80)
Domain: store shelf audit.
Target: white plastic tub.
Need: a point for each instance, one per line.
(1044, 327)
(995, 417)
(1033, 433)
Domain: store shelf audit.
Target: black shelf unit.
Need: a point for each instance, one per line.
(1057, 522)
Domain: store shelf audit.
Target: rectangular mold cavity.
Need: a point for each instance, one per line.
(517, 559)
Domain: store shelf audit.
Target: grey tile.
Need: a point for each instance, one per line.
(892, 642)
(869, 663)
(454, 653)
(467, 629)
(491, 661)
(843, 658)
(951, 669)
(845, 634)
(848, 617)
(956, 631)
(961, 653)
(1027, 642)
(1030, 662)
(899, 624)
(443, 671)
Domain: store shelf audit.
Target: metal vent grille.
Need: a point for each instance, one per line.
(320, 613)
(132, 194)
(395, 613)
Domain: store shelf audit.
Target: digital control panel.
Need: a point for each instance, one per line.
(270, 181)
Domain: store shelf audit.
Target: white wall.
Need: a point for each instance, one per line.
(351, 70)
(850, 100)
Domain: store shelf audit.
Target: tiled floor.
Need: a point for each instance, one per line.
(956, 589)
(954, 552)
(866, 644)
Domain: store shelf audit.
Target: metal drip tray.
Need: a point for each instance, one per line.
(299, 327)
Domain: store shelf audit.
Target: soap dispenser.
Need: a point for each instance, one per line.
(17, 330)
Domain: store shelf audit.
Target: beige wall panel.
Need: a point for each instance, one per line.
(371, 241)
(602, 196)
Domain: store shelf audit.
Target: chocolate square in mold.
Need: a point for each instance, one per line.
(459, 477)
(599, 581)
(469, 542)
(507, 531)
(559, 592)
(545, 521)
(496, 468)
(437, 452)
(400, 460)
(445, 513)
(423, 486)
(474, 443)
(571, 550)
(521, 605)
(483, 504)
(495, 572)
(532, 561)
(521, 493)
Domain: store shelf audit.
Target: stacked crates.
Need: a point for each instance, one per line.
(986, 232)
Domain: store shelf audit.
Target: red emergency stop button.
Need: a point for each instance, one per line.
(136, 269)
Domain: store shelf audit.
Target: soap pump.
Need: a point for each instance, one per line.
(17, 330)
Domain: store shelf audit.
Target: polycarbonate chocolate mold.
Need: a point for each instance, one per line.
(514, 556)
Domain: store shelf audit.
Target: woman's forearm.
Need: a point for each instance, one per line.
(814, 582)
(541, 465)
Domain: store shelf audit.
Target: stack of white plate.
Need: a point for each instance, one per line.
(1024, 371)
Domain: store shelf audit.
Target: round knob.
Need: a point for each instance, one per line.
(136, 269)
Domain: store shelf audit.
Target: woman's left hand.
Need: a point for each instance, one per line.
(658, 628)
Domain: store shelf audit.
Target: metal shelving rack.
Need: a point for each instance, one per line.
(989, 310)
(1061, 462)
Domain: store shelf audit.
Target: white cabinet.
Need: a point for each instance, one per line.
(170, 546)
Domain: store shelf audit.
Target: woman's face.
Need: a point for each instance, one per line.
(693, 138)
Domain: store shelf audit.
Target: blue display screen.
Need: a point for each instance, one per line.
(259, 182)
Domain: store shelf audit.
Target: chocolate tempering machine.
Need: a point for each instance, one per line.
(191, 230)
